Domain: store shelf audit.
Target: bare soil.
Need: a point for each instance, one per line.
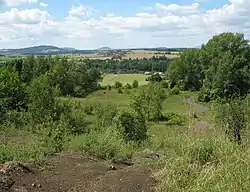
(81, 173)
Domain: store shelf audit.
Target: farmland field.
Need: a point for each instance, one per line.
(138, 54)
(110, 79)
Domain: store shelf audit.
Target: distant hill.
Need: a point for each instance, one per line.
(42, 50)
(104, 49)
(52, 50)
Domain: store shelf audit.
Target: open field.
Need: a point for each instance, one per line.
(171, 154)
(148, 54)
(110, 79)
(138, 54)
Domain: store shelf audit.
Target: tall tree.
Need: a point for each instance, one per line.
(226, 62)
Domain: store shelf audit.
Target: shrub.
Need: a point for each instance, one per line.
(88, 108)
(105, 115)
(128, 86)
(165, 84)
(76, 124)
(106, 144)
(132, 126)
(109, 87)
(149, 101)
(174, 119)
(118, 84)
(42, 101)
(135, 84)
(175, 91)
(202, 153)
(206, 96)
(119, 90)
(53, 136)
(233, 117)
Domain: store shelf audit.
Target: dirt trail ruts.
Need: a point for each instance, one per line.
(80, 173)
(198, 109)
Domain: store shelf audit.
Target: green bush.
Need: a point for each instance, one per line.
(105, 115)
(132, 126)
(16, 118)
(175, 91)
(174, 118)
(42, 102)
(202, 153)
(76, 124)
(127, 86)
(165, 84)
(118, 84)
(206, 96)
(135, 84)
(106, 144)
(89, 108)
(119, 90)
(109, 87)
(53, 136)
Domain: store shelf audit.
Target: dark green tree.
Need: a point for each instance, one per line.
(42, 103)
(186, 71)
(226, 63)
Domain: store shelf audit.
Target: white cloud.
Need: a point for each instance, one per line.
(194, 8)
(43, 4)
(17, 2)
(26, 16)
(81, 11)
(169, 25)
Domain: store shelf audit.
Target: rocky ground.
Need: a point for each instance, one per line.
(76, 172)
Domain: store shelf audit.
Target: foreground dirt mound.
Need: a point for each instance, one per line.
(76, 172)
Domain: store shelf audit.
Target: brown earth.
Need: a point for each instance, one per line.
(81, 173)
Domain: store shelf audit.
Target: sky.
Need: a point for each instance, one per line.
(90, 24)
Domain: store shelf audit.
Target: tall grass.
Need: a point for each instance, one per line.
(203, 163)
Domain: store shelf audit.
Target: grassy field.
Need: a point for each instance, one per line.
(195, 156)
(139, 54)
(110, 79)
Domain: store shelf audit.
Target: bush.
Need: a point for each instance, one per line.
(165, 84)
(149, 100)
(174, 119)
(128, 86)
(76, 124)
(106, 144)
(88, 108)
(119, 90)
(175, 91)
(202, 153)
(132, 126)
(233, 118)
(53, 136)
(135, 84)
(109, 87)
(105, 115)
(118, 84)
(206, 96)
(16, 118)
(42, 101)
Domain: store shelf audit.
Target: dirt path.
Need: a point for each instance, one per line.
(198, 109)
(76, 172)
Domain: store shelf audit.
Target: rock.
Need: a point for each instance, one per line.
(5, 183)
(20, 189)
(150, 154)
(11, 167)
(112, 167)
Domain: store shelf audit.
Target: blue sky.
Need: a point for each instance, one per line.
(119, 24)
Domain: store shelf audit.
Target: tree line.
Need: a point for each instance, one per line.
(155, 63)
(66, 77)
(220, 69)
